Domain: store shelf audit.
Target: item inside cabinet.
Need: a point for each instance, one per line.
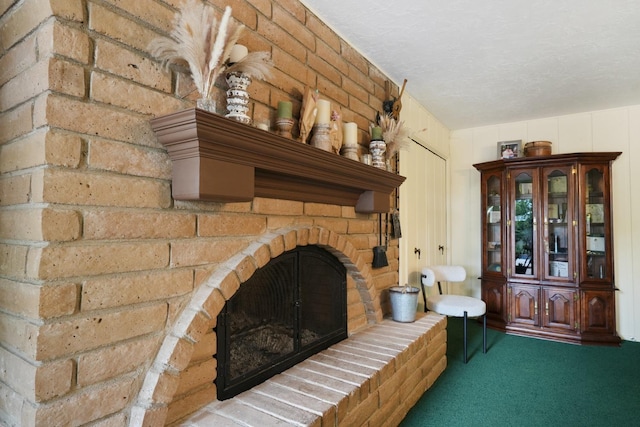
(494, 214)
(524, 264)
(559, 268)
(596, 210)
(595, 244)
(526, 188)
(558, 184)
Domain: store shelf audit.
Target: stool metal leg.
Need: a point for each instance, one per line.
(424, 294)
(464, 334)
(484, 333)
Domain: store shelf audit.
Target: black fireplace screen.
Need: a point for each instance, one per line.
(293, 307)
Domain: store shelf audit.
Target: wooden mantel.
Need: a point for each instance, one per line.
(221, 160)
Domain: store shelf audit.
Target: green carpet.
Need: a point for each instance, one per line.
(531, 382)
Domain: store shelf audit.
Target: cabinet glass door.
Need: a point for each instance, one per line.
(523, 223)
(595, 230)
(558, 219)
(493, 224)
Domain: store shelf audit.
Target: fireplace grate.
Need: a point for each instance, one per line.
(290, 309)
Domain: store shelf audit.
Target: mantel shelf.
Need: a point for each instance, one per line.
(221, 160)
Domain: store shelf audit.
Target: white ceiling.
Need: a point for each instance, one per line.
(479, 62)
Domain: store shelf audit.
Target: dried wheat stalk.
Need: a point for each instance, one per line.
(257, 65)
(200, 41)
(394, 133)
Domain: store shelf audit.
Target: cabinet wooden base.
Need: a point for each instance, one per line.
(579, 339)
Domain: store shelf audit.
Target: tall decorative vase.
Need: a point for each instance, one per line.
(238, 97)
(377, 148)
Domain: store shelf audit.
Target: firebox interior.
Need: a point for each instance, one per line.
(288, 310)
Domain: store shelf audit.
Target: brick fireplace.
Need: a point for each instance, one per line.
(109, 286)
(181, 377)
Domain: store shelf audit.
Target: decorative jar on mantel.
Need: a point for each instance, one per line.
(377, 148)
(238, 97)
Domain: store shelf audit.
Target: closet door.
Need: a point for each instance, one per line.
(422, 212)
(436, 219)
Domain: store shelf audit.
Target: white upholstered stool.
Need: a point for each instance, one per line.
(453, 305)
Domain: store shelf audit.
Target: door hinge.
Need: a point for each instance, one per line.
(573, 170)
(577, 326)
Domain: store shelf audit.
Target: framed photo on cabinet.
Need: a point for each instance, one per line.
(509, 149)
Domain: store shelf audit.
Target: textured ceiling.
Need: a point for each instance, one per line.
(473, 63)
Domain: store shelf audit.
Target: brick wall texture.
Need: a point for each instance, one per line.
(109, 287)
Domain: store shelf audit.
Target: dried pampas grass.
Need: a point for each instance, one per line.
(200, 41)
(394, 133)
(257, 65)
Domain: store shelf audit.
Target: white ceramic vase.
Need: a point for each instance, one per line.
(238, 97)
(377, 148)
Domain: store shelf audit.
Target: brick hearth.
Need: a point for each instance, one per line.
(371, 379)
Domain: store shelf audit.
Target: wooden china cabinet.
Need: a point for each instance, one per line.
(547, 250)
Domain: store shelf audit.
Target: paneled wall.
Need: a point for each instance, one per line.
(424, 127)
(607, 130)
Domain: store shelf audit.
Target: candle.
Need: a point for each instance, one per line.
(238, 52)
(324, 111)
(284, 110)
(350, 131)
(376, 133)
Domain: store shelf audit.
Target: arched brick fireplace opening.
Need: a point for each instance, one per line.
(162, 379)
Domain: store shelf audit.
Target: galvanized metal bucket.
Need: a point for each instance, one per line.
(404, 303)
